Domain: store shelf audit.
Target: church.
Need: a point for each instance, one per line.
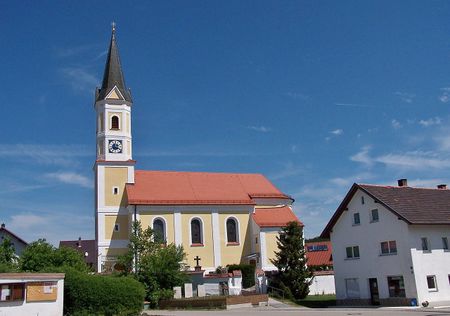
(221, 218)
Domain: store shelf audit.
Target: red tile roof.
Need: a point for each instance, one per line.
(415, 206)
(274, 216)
(319, 257)
(174, 187)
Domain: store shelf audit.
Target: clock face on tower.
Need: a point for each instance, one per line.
(115, 146)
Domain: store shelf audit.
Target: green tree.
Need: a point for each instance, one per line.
(8, 259)
(293, 275)
(40, 256)
(158, 266)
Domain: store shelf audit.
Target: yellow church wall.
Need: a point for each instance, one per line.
(233, 253)
(113, 252)
(119, 114)
(115, 177)
(148, 218)
(205, 252)
(271, 246)
(111, 221)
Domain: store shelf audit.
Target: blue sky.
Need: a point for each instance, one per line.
(316, 95)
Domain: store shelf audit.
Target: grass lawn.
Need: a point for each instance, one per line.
(318, 301)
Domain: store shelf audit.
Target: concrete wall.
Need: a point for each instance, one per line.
(322, 284)
(435, 262)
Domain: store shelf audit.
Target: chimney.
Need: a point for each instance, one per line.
(3, 225)
(79, 242)
(442, 186)
(402, 182)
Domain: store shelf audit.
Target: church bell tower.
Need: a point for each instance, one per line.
(114, 165)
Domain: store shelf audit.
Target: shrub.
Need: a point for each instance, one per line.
(248, 273)
(86, 294)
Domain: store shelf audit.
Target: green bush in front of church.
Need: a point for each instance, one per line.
(87, 294)
(156, 265)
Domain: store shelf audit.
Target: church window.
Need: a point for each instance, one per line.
(196, 231)
(114, 122)
(115, 190)
(232, 236)
(116, 227)
(159, 231)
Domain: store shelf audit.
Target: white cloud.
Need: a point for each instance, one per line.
(426, 183)
(45, 154)
(289, 170)
(71, 178)
(54, 227)
(405, 96)
(363, 156)
(415, 160)
(445, 95)
(431, 121)
(79, 78)
(261, 129)
(337, 132)
(396, 124)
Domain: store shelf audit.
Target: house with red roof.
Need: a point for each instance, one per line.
(219, 218)
(391, 245)
(320, 259)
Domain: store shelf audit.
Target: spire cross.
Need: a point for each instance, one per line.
(113, 26)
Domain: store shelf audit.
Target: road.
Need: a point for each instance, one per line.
(303, 311)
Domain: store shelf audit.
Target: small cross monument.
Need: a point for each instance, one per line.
(197, 267)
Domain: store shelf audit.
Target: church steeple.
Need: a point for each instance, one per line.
(113, 75)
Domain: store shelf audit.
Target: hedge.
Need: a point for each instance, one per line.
(86, 294)
(248, 273)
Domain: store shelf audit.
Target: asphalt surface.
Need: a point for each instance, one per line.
(279, 308)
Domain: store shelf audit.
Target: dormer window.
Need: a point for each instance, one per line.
(114, 122)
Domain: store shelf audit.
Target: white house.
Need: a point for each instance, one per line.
(391, 245)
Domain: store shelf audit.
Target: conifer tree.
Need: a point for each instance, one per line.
(293, 275)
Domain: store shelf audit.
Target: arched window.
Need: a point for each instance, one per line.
(196, 231)
(159, 230)
(114, 122)
(232, 232)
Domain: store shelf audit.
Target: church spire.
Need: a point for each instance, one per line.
(113, 76)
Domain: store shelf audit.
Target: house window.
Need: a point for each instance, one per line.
(389, 247)
(256, 240)
(12, 292)
(396, 286)
(232, 231)
(352, 252)
(362, 199)
(431, 282)
(445, 243)
(159, 231)
(352, 288)
(425, 245)
(114, 122)
(356, 219)
(196, 231)
(374, 215)
(116, 227)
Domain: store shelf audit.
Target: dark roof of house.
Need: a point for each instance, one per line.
(113, 75)
(2, 227)
(415, 206)
(82, 246)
